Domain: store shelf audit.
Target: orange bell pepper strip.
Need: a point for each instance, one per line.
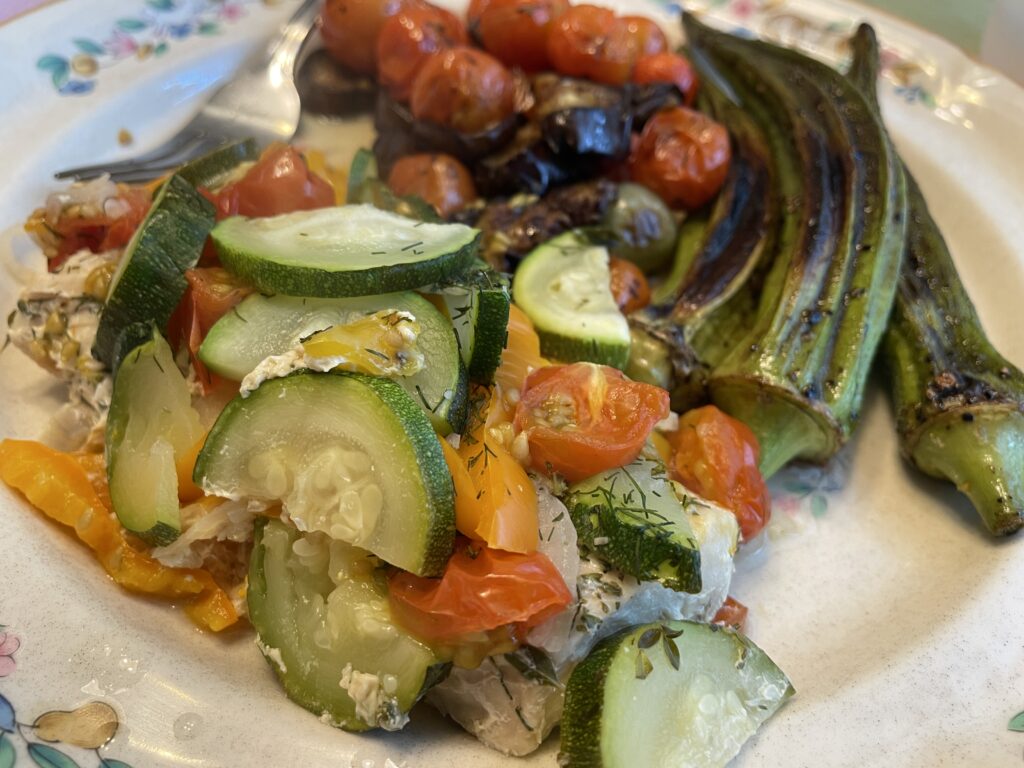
(63, 489)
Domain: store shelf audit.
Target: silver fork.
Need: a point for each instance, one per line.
(260, 101)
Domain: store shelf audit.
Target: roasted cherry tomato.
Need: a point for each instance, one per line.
(582, 419)
(588, 41)
(647, 36)
(279, 182)
(682, 155)
(465, 89)
(716, 456)
(668, 68)
(440, 180)
(733, 614)
(473, 13)
(350, 29)
(77, 227)
(481, 589)
(629, 286)
(408, 40)
(212, 292)
(516, 31)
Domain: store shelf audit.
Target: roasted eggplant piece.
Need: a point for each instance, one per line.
(959, 403)
(327, 88)
(580, 117)
(512, 228)
(526, 165)
(797, 376)
(400, 134)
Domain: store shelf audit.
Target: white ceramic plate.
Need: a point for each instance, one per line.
(897, 618)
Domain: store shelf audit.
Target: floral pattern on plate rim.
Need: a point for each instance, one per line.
(149, 32)
(85, 729)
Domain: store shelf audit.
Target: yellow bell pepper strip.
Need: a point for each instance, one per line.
(63, 489)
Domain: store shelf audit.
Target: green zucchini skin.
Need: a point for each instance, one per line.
(212, 169)
(797, 377)
(959, 403)
(151, 278)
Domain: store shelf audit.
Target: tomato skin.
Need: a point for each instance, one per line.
(350, 29)
(733, 614)
(683, 156)
(668, 68)
(409, 38)
(481, 589)
(591, 42)
(516, 31)
(211, 294)
(439, 179)
(716, 456)
(100, 232)
(465, 89)
(583, 419)
(629, 285)
(647, 36)
(279, 182)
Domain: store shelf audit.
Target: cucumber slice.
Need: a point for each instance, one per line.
(150, 424)
(321, 611)
(150, 279)
(349, 455)
(563, 286)
(478, 305)
(215, 168)
(633, 519)
(348, 250)
(261, 326)
(678, 693)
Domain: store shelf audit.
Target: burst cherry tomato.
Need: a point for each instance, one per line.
(99, 230)
(350, 29)
(583, 419)
(629, 286)
(588, 41)
(481, 589)
(279, 182)
(516, 31)
(647, 36)
(716, 456)
(668, 68)
(441, 180)
(407, 41)
(465, 89)
(682, 155)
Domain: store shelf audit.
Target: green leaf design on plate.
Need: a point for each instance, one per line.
(51, 63)
(131, 25)
(161, 5)
(819, 505)
(160, 50)
(85, 45)
(108, 763)
(7, 755)
(1017, 723)
(46, 756)
(209, 28)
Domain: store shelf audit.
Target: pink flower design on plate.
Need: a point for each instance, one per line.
(120, 45)
(743, 8)
(9, 644)
(231, 11)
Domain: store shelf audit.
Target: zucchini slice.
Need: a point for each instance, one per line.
(678, 693)
(564, 288)
(150, 425)
(348, 250)
(349, 455)
(261, 326)
(214, 169)
(150, 279)
(478, 305)
(321, 611)
(633, 519)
